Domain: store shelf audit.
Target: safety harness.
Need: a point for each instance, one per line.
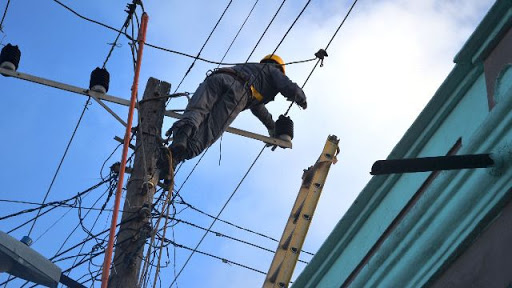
(241, 77)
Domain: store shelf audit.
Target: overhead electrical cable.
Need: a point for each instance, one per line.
(130, 11)
(219, 234)
(53, 259)
(237, 226)
(265, 31)
(238, 32)
(55, 203)
(3, 16)
(243, 178)
(218, 214)
(320, 59)
(61, 204)
(224, 260)
(159, 47)
(61, 161)
(204, 45)
(328, 44)
(206, 150)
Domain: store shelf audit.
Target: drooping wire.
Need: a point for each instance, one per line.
(54, 203)
(159, 47)
(61, 161)
(5, 13)
(204, 45)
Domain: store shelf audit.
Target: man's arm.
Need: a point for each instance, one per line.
(290, 90)
(261, 112)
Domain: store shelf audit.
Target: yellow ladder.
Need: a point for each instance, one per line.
(294, 234)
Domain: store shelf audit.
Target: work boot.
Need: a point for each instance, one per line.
(179, 143)
(163, 163)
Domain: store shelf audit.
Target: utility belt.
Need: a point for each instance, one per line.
(241, 77)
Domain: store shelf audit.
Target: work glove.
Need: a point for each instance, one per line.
(271, 133)
(300, 99)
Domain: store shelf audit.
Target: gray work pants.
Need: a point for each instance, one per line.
(213, 107)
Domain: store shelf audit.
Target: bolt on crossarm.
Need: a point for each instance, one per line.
(291, 242)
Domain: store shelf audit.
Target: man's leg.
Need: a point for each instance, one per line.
(223, 113)
(197, 110)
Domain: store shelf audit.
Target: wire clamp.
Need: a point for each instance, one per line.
(145, 211)
(321, 54)
(147, 185)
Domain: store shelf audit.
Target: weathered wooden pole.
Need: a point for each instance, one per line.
(141, 187)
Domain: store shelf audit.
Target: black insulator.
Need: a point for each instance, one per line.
(10, 56)
(100, 78)
(284, 126)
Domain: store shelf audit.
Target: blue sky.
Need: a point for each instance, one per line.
(385, 64)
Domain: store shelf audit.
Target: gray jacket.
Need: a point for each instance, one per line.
(268, 80)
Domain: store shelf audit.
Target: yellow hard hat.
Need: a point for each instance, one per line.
(273, 58)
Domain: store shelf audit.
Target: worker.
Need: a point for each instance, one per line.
(223, 95)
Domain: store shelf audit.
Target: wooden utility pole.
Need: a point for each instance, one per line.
(141, 187)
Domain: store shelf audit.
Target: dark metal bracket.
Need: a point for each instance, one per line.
(411, 165)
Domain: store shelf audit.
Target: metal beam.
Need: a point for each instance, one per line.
(266, 139)
(100, 96)
(410, 165)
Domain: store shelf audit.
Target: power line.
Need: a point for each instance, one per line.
(257, 157)
(5, 13)
(265, 31)
(204, 44)
(219, 234)
(61, 160)
(224, 260)
(55, 203)
(239, 30)
(81, 243)
(237, 226)
(60, 204)
(293, 24)
(330, 41)
(218, 214)
(164, 49)
(130, 11)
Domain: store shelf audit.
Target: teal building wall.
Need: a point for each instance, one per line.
(407, 230)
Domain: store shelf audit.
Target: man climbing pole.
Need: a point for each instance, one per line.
(223, 95)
